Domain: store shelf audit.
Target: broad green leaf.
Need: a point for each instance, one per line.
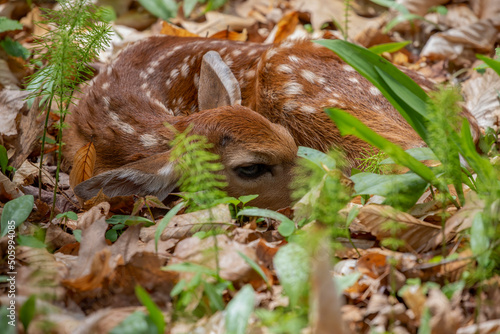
(425, 322)
(128, 220)
(214, 297)
(291, 263)
(239, 309)
(317, 157)
(479, 241)
(409, 185)
(287, 226)
(388, 47)
(188, 6)
(494, 64)
(254, 266)
(8, 24)
(8, 321)
(419, 153)
(70, 215)
(190, 268)
(349, 125)
(136, 323)
(394, 81)
(14, 48)
(247, 198)
(164, 222)
(4, 159)
(344, 282)
(154, 312)
(27, 312)
(164, 9)
(15, 212)
(30, 241)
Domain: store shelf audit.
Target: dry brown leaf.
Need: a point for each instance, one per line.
(231, 35)
(231, 265)
(99, 270)
(8, 190)
(173, 30)
(486, 9)
(183, 226)
(421, 7)
(414, 297)
(11, 103)
(286, 26)
(487, 327)
(416, 233)
(481, 98)
(373, 265)
(444, 319)
(479, 36)
(216, 21)
(83, 164)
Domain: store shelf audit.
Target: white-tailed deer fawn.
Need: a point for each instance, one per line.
(170, 79)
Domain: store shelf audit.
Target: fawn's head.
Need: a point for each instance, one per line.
(257, 155)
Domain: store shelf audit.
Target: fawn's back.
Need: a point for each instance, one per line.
(289, 84)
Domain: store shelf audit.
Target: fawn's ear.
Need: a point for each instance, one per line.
(218, 87)
(153, 175)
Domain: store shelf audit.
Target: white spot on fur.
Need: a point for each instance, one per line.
(150, 70)
(236, 53)
(252, 52)
(168, 82)
(287, 44)
(155, 63)
(283, 68)
(309, 76)
(105, 85)
(148, 140)
(106, 101)
(166, 170)
(333, 102)
(178, 47)
(348, 68)
(250, 74)
(223, 50)
(336, 95)
(144, 86)
(308, 109)
(353, 79)
(185, 70)
(271, 53)
(161, 105)
(290, 106)
(294, 59)
(228, 60)
(109, 70)
(292, 88)
(374, 91)
(196, 80)
(174, 73)
(186, 59)
(143, 75)
(118, 123)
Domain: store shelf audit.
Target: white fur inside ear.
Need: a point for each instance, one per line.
(218, 86)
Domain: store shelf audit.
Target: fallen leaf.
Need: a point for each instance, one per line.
(83, 164)
(444, 319)
(415, 233)
(286, 26)
(231, 35)
(173, 30)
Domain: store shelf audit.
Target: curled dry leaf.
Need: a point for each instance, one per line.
(183, 226)
(8, 189)
(83, 165)
(487, 327)
(216, 22)
(231, 35)
(415, 233)
(286, 26)
(11, 103)
(479, 36)
(481, 98)
(231, 265)
(173, 30)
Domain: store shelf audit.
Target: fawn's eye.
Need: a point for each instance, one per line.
(252, 171)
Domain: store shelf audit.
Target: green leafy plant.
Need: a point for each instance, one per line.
(77, 38)
(139, 322)
(198, 168)
(447, 139)
(4, 162)
(202, 294)
(167, 9)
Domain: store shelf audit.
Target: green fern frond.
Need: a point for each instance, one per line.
(198, 169)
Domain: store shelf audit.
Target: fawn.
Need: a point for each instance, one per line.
(171, 79)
